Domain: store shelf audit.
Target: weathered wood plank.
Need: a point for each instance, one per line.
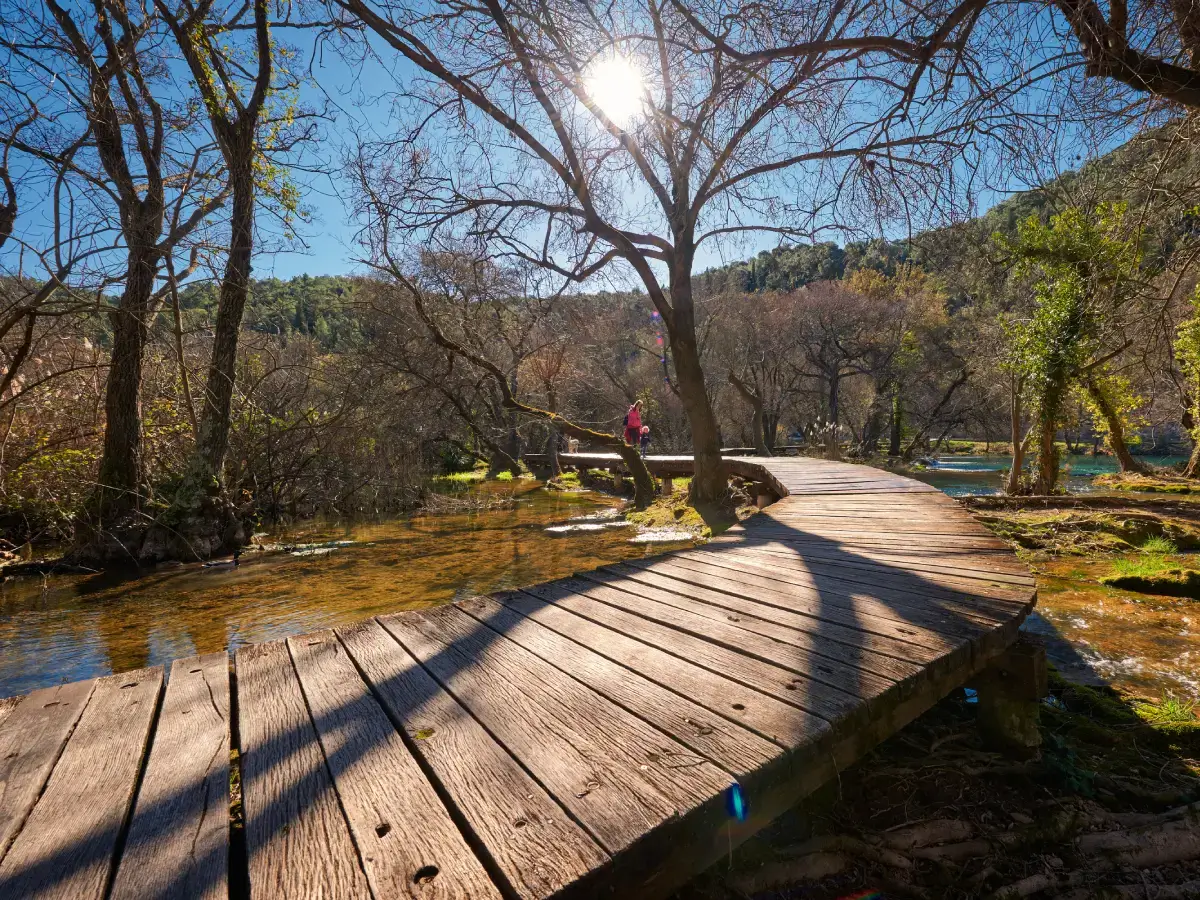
(31, 738)
(977, 597)
(833, 667)
(7, 705)
(786, 684)
(408, 843)
(733, 748)
(618, 776)
(778, 722)
(844, 646)
(855, 612)
(67, 847)
(297, 839)
(917, 617)
(536, 846)
(178, 843)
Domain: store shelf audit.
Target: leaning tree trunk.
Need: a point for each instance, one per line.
(1192, 469)
(1116, 429)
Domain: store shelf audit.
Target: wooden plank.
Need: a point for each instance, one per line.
(936, 616)
(618, 776)
(178, 843)
(857, 612)
(297, 840)
(976, 597)
(786, 684)
(32, 736)
(726, 744)
(778, 722)
(973, 564)
(834, 671)
(536, 846)
(67, 847)
(7, 705)
(956, 607)
(821, 639)
(409, 845)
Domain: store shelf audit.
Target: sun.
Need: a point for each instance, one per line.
(615, 85)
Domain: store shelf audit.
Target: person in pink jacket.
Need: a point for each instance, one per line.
(633, 424)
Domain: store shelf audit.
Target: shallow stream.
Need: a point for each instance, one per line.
(64, 628)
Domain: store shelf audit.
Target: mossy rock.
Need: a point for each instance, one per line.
(1088, 532)
(1171, 583)
(1154, 484)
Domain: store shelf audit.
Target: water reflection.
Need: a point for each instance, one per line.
(66, 628)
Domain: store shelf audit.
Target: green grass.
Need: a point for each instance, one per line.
(1159, 544)
(1171, 711)
(462, 477)
(504, 476)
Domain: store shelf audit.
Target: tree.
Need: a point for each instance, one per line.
(1084, 271)
(451, 294)
(235, 84)
(138, 144)
(633, 136)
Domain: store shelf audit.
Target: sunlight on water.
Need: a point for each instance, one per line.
(68, 628)
(1144, 644)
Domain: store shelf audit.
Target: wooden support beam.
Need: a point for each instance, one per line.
(668, 486)
(1010, 694)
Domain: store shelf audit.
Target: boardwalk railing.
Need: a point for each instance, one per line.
(605, 735)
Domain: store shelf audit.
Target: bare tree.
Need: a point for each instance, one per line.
(104, 70)
(577, 139)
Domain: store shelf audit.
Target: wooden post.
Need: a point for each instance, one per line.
(668, 485)
(1010, 694)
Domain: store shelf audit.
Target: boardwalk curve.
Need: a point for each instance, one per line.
(610, 734)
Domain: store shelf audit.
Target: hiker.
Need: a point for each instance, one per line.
(645, 440)
(633, 424)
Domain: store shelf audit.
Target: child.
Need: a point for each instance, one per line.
(645, 439)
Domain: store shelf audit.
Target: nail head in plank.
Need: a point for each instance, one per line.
(67, 847)
(406, 839)
(297, 839)
(538, 848)
(178, 843)
(31, 738)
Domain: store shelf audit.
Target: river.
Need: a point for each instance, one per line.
(65, 628)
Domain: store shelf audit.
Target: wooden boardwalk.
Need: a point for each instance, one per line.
(606, 735)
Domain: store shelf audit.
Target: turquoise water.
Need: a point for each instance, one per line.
(958, 475)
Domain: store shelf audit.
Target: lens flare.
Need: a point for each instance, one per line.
(616, 86)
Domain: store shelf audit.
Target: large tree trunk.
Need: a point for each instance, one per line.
(643, 482)
(552, 433)
(1116, 429)
(770, 424)
(120, 478)
(710, 484)
(1045, 477)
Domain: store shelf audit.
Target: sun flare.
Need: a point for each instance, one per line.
(615, 85)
